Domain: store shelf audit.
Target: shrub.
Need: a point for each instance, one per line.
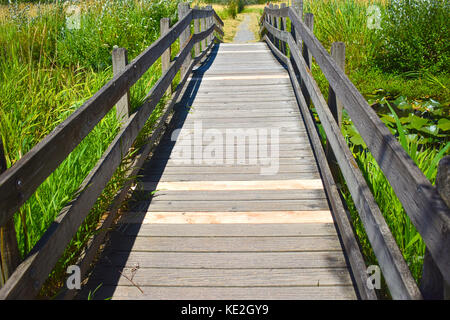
(414, 36)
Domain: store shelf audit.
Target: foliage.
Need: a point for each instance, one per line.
(47, 71)
(414, 36)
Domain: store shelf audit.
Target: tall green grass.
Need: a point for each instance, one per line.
(47, 71)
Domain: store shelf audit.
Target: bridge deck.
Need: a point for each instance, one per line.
(223, 224)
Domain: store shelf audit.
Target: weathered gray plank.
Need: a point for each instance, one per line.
(226, 260)
(217, 293)
(226, 244)
(227, 230)
(225, 278)
(153, 170)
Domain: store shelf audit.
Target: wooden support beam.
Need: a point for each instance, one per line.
(210, 23)
(165, 57)
(336, 107)
(204, 26)
(432, 285)
(9, 251)
(119, 62)
(283, 28)
(197, 30)
(183, 9)
(276, 41)
(309, 22)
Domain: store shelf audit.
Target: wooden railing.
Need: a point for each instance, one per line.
(421, 200)
(20, 181)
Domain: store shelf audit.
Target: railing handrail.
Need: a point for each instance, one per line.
(20, 181)
(421, 201)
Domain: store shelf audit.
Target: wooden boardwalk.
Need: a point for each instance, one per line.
(207, 223)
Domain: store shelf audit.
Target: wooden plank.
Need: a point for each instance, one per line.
(226, 260)
(183, 10)
(228, 230)
(9, 250)
(421, 201)
(236, 185)
(395, 270)
(165, 57)
(217, 293)
(119, 62)
(315, 216)
(153, 170)
(225, 244)
(432, 285)
(260, 176)
(262, 161)
(230, 205)
(242, 77)
(213, 195)
(20, 181)
(225, 278)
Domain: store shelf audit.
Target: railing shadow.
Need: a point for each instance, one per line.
(121, 240)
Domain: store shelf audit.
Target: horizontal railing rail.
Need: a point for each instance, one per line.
(420, 199)
(20, 181)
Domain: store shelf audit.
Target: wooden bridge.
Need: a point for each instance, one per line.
(235, 197)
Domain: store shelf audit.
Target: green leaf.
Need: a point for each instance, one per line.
(444, 124)
(431, 130)
(417, 122)
(401, 130)
(357, 140)
(436, 160)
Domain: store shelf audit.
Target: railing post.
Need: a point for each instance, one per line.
(283, 28)
(9, 250)
(271, 37)
(210, 23)
(183, 9)
(165, 57)
(309, 21)
(203, 27)
(197, 30)
(338, 55)
(432, 285)
(276, 41)
(298, 7)
(119, 62)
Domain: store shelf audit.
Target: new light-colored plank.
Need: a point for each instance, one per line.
(322, 216)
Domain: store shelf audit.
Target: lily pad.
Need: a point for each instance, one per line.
(444, 124)
(431, 130)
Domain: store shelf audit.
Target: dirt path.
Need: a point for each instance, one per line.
(244, 34)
